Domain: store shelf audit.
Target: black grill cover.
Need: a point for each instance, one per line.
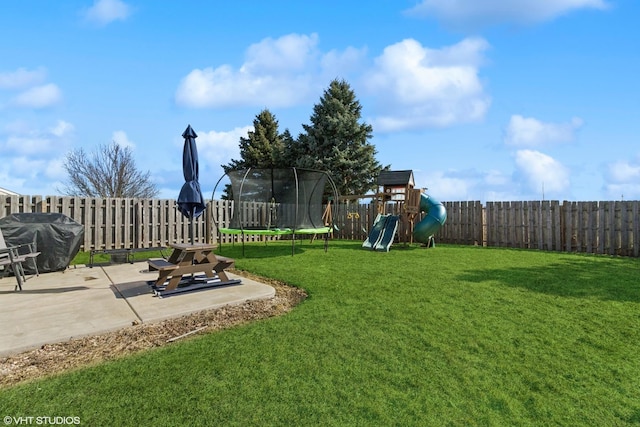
(56, 236)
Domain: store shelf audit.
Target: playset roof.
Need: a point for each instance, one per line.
(392, 178)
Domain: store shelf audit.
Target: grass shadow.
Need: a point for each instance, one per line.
(605, 279)
(260, 250)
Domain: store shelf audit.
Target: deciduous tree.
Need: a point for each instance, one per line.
(108, 172)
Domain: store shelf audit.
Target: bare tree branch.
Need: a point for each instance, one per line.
(109, 172)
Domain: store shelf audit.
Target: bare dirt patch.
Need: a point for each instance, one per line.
(56, 358)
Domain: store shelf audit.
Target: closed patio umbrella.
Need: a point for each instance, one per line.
(190, 201)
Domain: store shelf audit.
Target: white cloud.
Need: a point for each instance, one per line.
(29, 176)
(543, 171)
(39, 97)
(624, 171)
(469, 184)
(623, 179)
(33, 157)
(452, 184)
(28, 167)
(104, 12)
(530, 132)
(337, 63)
(9, 180)
(443, 186)
(62, 128)
(292, 52)
(624, 191)
(418, 87)
(474, 14)
(16, 127)
(496, 178)
(223, 87)
(497, 185)
(54, 169)
(276, 72)
(30, 144)
(414, 86)
(33, 94)
(220, 147)
(22, 78)
(120, 138)
(24, 140)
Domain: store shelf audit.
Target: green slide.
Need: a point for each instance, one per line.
(382, 233)
(435, 217)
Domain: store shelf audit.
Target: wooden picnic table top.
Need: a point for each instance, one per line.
(188, 247)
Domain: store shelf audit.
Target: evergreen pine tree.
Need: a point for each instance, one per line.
(263, 148)
(290, 154)
(337, 142)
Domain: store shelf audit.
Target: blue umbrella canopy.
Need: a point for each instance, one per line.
(190, 201)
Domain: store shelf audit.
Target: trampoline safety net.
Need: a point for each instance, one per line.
(272, 199)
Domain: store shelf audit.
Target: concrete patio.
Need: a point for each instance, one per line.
(81, 301)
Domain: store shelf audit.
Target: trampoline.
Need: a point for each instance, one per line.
(280, 202)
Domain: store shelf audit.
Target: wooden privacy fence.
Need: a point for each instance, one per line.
(610, 227)
(119, 223)
(115, 223)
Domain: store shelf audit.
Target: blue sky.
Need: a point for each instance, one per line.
(482, 99)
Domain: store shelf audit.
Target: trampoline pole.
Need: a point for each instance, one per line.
(295, 214)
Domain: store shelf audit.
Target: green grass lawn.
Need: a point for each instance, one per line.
(452, 335)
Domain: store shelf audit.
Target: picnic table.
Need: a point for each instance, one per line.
(179, 273)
